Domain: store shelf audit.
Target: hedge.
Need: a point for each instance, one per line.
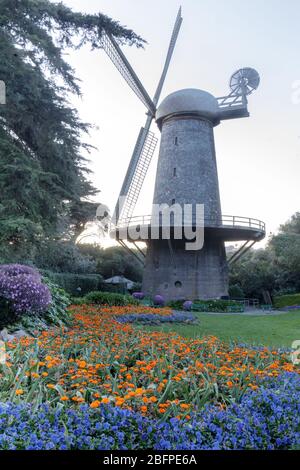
(109, 298)
(217, 305)
(286, 300)
(75, 284)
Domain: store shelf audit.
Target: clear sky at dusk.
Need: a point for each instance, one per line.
(258, 157)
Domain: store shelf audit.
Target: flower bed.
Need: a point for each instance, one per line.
(268, 418)
(156, 318)
(156, 374)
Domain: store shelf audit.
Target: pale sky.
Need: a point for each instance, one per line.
(258, 157)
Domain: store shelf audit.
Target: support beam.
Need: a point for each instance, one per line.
(241, 251)
(131, 252)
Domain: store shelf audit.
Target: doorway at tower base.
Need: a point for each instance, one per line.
(177, 273)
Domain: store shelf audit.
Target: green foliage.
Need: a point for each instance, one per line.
(7, 315)
(57, 313)
(286, 300)
(175, 304)
(217, 306)
(109, 298)
(76, 284)
(64, 257)
(236, 292)
(113, 261)
(43, 180)
(275, 268)
(209, 305)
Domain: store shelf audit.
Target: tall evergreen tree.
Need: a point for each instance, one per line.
(43, 172)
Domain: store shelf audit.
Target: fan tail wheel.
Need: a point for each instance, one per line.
(244, 81)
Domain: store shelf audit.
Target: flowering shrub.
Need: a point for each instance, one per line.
(138, 295)
(268, 418)
(152, 318)
(23, 288)
(187, 305)
(159, 300)
(16, 269)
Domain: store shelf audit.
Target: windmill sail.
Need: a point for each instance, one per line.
(137, 170)
(144, 147)
(116, 55)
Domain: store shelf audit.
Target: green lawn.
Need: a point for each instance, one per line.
(279, 331)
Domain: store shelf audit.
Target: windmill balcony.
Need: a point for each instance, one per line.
(227, 228)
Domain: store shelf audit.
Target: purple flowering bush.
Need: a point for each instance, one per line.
(187, 305)
(159, 300)
(138, 295)
(264, 419)
(23, 290)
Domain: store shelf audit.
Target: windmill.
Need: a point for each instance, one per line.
(186, 175)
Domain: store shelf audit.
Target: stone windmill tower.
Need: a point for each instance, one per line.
(186, 177)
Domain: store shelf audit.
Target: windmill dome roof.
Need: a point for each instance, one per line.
(189, 101)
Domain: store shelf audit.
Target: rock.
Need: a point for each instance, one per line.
(20, 334)
(5, 336)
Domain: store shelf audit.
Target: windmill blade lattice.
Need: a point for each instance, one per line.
(171, 48)
(116, 55)
(133, 182)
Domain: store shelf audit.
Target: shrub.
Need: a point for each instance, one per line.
(286, 300)
(217, 306)
(176, 304)
(187, 305)
(109, 298)
(75, 284)
(23, 288)
(236, 292)
(158, 300)
(138, 295)
(57, 312)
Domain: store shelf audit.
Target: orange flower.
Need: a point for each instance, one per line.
(184, 406)
(19, 391)
(105, 400)
(64, 398)
(153, 399)
(95, 404)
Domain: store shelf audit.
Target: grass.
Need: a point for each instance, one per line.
(273, 331)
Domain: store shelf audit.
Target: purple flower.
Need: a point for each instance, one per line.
(158, 300)
(22, 286)
(138, 295)
(187, 305)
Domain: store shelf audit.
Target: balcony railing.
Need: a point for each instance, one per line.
(233, 221)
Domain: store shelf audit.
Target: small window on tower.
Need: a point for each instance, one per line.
(173, 202)
(174, 171)
(176, 141)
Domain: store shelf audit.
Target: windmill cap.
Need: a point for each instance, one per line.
(189, 101)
